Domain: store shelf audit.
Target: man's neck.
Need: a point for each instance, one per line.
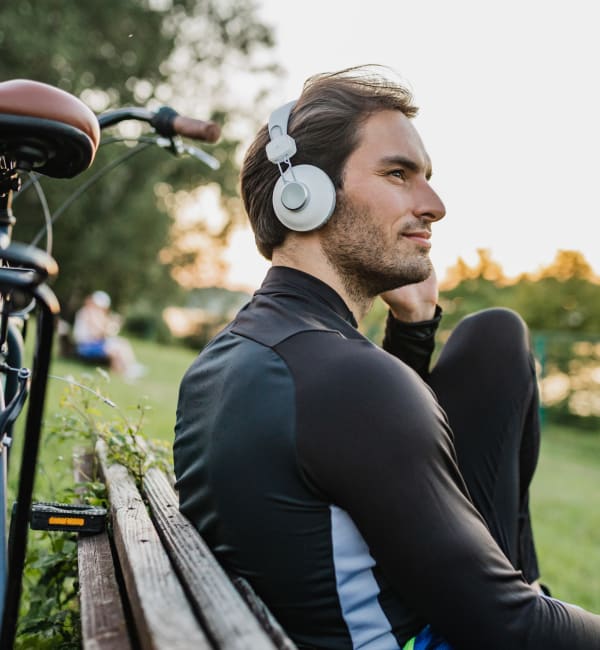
(309, 257)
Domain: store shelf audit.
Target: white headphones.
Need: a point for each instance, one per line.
(304, 196)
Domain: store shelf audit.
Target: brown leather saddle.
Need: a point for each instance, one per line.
(45, 129)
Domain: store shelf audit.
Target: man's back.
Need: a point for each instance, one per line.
(322, 470)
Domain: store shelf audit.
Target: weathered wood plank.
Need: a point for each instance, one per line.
(103, 625)
(226, 616)
(163, 617)
(268, 622)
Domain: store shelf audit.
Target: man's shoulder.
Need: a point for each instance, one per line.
(271, 321)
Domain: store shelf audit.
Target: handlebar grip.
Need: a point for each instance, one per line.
(168, 122)
(196, 129)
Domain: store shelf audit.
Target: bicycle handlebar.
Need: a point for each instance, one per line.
(196, 129)
(166, 122)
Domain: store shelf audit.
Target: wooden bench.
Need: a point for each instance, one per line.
(151, 581)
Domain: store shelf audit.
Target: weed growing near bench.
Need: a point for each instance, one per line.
(49, 611)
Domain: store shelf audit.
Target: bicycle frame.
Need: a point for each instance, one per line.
(48, 312)
(21, 270)
(14, 359)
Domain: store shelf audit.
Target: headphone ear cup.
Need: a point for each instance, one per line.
(319, 203)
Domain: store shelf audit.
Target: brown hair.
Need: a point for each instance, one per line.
(325, 123)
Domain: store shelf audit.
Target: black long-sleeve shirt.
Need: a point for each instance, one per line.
(322, 469)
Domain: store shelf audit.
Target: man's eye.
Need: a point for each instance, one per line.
(399, 173)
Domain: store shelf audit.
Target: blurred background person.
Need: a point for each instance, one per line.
(95, 334)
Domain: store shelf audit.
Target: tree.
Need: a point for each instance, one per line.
(569, 265)
(188, 53)
(486, 268)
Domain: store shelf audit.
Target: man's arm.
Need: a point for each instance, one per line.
(412, 322)
(388, 460)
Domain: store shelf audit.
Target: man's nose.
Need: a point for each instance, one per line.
(431, 206)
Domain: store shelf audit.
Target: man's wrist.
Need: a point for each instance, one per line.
(432, 320)
(419, 315)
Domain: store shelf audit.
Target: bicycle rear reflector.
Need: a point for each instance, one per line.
(67, 517)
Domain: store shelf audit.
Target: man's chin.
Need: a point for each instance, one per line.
(383, 283)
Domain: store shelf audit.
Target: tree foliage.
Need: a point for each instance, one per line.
(562, 296)
(191, 54)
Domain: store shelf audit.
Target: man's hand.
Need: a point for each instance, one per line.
(414, 302)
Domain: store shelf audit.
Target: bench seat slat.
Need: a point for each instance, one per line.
(226, 616)
(163, 616)
(103, 624)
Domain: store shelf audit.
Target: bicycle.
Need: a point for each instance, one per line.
(46, 131)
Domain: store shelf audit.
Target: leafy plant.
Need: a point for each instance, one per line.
(51, 619)
(123, 435)
(50, 613)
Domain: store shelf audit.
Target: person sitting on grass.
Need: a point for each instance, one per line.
(95, 333)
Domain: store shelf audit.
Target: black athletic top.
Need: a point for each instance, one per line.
(322, 469)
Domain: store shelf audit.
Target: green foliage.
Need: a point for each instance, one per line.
(123, 436)
(50, 615)
(561, 297)
(188, 53)
(571, 305)
(144, 322)
(208, 310)
(373, 324)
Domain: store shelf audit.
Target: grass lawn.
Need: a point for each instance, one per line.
(566, 515)
(156, 391)
(565, 495)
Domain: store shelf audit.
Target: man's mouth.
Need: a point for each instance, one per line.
(420, 237)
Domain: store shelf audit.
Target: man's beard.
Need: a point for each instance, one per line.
(355, 246)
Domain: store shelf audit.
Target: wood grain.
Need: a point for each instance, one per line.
(103, 625)
(226, 616)
(163, 617)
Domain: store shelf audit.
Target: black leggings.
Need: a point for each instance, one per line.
(485, 380)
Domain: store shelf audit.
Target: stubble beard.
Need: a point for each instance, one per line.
(355, 246)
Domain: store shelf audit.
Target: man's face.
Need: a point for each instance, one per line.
(379, 236)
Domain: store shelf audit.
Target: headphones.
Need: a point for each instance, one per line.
(304, 196)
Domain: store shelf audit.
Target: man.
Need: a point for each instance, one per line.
(370, 502)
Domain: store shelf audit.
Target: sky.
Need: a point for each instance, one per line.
(509, 113)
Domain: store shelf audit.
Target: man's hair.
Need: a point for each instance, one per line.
(326, 125)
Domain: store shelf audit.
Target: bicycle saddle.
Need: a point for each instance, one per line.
(45, 129)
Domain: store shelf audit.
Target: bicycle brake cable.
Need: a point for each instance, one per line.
(47, 216)
(91, 181)
(175, 145)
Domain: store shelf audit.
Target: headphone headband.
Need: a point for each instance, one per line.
(282, 146)
(279, 118)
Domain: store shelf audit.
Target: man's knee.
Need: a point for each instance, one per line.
(495, 338)
(497, 325)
